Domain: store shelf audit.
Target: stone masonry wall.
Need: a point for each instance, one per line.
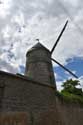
(36, 99)
(71, 113)
(22, 97)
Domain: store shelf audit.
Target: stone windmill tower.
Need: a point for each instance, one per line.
(39, 63)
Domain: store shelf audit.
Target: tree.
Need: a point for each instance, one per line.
(70, 86)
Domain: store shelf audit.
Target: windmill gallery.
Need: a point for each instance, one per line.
(31, 99)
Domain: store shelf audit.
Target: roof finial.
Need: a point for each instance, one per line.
(37, 40)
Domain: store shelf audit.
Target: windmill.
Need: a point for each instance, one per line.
(39, 62)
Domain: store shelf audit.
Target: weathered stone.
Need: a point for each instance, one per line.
(39, 65)
(38, 101)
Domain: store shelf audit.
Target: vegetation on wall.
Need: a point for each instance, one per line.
(71, 92)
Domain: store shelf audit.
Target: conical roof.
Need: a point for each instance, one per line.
(37, 46)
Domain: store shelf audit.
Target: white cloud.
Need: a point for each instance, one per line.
(5, 66)
(59, 85)
(74, 3)
(4, 8)
(81, 81)
(43, 19)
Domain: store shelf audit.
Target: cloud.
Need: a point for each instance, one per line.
(43, 19)
(5, 66)
(4, 8)
(81, 81)
(74, 3)
(59, 85)
(58, 82)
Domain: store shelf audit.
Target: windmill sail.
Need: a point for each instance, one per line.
(59, 37)
(64, 68)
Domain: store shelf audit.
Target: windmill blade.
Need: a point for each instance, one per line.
(64, 68)
(59, 37)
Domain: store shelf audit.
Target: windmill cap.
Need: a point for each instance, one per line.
(37, 46)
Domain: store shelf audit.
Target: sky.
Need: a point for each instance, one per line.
(23, 21)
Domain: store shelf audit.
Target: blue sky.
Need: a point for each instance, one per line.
(74, 65)
(23, 21)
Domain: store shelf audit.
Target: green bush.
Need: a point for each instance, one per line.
(70, 93)
(70, 86)
(69, 97)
